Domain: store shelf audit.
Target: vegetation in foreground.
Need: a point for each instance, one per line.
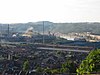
(91, 64)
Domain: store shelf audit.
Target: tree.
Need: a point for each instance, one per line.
(26, 65)
(39, 69)
(68, 67)
(91, 63)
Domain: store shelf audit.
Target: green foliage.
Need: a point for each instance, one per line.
(91, 63)
(47, 70)
(54, 71)
(64, 68)
(68, 67)
(26, 65)
(39, 69)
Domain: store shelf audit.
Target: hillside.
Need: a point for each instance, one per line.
(53, 27)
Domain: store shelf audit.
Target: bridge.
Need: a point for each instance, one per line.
(63, 48)
(59, 49)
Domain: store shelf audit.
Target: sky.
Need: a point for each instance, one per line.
(22, 11)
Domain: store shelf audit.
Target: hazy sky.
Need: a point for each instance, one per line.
(16, 11)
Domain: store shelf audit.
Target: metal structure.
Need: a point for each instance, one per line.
(43, 33)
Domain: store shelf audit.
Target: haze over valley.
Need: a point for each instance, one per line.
(93, 27)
